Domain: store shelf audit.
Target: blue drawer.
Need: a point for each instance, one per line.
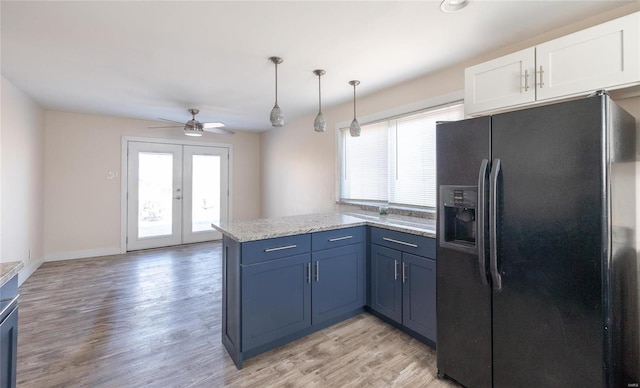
(337, 238)
(405, 242)
(274, 248)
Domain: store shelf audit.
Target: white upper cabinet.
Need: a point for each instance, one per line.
(606, 56)
(502, 82)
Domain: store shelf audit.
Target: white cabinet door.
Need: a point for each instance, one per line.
(601, 57)
(502, 82)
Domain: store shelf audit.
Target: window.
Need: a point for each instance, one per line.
(394, 160)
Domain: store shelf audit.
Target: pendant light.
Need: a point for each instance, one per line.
(276, 117)
(320, 123)
(354, 128)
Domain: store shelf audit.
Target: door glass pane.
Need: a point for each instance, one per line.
(155, 192)
(206, 192)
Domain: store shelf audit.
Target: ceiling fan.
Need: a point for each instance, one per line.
(195, 128)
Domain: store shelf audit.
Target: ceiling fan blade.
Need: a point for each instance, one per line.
(221, 131)
(212, 125)
(171, 121)
(171, 126)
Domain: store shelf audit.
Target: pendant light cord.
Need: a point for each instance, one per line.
(354, 101)
(276, 83)
(319, 95)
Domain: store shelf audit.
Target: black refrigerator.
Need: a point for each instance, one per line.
(537, 270)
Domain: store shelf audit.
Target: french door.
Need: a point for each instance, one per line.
(174, 193)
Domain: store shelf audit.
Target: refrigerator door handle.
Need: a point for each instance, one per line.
(480, 217)
(493, 223)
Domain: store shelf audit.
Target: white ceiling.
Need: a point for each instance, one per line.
(151, 59)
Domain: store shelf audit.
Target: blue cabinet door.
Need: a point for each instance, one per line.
(276, 299)
(419, 295)
(338, 282)
(8, 349)
(386, 282)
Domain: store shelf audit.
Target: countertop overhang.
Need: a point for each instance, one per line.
(8, 271)
(265, 228)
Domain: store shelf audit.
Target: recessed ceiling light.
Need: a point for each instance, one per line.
(453, 5)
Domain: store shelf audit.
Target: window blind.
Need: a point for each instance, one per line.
(394, 160)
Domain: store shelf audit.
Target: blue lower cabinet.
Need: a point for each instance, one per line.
(419, 295)
(276, 299)
(338, 282)
(280, 289)
(386, 285)
(8, 333)
(403, 280)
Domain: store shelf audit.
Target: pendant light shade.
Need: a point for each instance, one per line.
(276, 117)
(354, 128)
(320, 123)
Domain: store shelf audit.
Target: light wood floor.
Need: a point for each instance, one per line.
(152, 319)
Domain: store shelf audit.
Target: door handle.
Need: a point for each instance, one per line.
(541, 72)
(404, 272)
(177, 197)
(526, 80)
(395, 269)
(480, 217)
(493, 223)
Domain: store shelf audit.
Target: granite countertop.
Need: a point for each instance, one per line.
(8, 271)
(264, 228)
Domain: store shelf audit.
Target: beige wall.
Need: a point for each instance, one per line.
(82, 206)
(22, 176)
(299, 165)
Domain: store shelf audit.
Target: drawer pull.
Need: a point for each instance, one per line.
(340, 238)
(280, 248)
(9, 306)
(400, 242)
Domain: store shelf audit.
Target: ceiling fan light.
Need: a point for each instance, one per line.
(190, 131)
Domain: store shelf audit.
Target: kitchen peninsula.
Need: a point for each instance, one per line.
(286, 277)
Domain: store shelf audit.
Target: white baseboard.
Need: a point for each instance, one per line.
(28, 270)
(82, 254)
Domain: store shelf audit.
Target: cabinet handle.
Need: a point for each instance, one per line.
(404, 274)
(395, 269)
(309, 273)
(399, 242)
(317, 271)
(9, 306)
(541, 72)
(526, 80)
(280, 248)
(340, 238)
